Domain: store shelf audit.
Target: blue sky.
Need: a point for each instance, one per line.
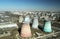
(29, 5)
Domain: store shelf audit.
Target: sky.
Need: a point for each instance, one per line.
(30, 5)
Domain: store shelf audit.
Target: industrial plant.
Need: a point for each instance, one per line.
(29, 25)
